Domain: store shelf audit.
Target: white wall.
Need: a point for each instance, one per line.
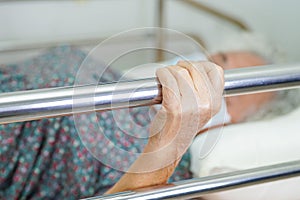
(46, 20)
(35, 21)
(277, 20)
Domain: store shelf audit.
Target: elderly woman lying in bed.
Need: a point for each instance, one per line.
(46, 158)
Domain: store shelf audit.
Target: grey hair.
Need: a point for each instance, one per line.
(284, 101)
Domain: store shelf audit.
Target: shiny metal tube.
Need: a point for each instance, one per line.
(261, 79)
(44, 103)
(196, 187)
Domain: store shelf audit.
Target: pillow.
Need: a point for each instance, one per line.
(251, 145)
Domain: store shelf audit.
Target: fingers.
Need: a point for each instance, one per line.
(191, 95)
(170, 90)
(191, 88)
(214, 72)
(209, 82)
(188, 93)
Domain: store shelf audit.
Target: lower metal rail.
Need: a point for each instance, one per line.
(197, 187)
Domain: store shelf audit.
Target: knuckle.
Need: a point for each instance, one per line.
(219, 69)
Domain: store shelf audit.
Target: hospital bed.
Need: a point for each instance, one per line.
(30, 105)
(17, 106)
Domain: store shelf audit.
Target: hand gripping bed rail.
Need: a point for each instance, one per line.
(52, 102)
(200, 186)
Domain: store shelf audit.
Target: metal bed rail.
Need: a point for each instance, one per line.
(42, 103)
(200, 186)
(53, 102)
(45, 103)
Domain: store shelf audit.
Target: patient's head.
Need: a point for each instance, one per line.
(242, 107)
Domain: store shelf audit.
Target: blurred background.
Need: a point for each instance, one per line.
(32, 24)
(29, 28)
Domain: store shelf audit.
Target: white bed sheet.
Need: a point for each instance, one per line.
(251, 145)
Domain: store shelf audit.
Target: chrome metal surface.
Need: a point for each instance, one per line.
(43, 103)
(46, 103)
(200, 186)
(261, 79)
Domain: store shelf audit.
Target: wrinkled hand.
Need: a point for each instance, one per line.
(192, 94)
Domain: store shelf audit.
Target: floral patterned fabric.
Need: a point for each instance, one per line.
(46, 159)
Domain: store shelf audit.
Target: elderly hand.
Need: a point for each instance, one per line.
(191, 95)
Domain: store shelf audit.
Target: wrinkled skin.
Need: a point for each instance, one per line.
(192, 94)
(241, 107)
